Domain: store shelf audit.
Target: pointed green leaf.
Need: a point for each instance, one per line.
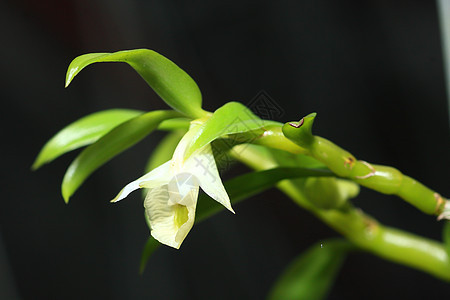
(170, 82)
(256, 182)
(311, 275)
(114, 142)
(82, 132)
(231, 118)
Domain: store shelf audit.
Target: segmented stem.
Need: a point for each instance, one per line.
(364, 231)
(384, 179)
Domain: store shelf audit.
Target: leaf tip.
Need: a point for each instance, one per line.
(142, 269)
(36, 164)
(71, 73)
(66, 194)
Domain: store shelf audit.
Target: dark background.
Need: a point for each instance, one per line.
(373, 71)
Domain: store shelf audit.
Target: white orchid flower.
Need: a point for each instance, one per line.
(172, 199)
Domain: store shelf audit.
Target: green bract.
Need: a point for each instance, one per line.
(169, 81)
(114, 142)
(301, 132)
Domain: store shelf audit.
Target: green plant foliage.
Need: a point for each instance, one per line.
(231, 118)
(329, 193)
(164, 150)
(255, 183)
(114, 142)
(82, 132)
(383, 179)
(311, 275)
(168, 80)
(174, 124)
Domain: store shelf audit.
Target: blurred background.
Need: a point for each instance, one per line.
(372, 70)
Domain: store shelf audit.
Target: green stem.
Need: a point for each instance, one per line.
(364, 231)
(383, 179)
(273, 137)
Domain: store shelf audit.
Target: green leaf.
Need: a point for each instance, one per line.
(311, 275)
(114, 142)
(231, 118)
(82, 132)
(256, 182)
(446, 237)
(164, 150)
(170, 82)
(174, 124)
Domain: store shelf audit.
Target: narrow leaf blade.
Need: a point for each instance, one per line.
(255, 183)
(175, 124)
(82, 132)
(114, 142)
(311, 275)
(168, 80)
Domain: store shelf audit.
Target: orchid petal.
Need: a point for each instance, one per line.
(203, 165)
(170, 224)
(154, 178)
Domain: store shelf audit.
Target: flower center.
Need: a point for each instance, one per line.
(181, 214)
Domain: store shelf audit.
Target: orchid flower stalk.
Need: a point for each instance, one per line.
(173, 190)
